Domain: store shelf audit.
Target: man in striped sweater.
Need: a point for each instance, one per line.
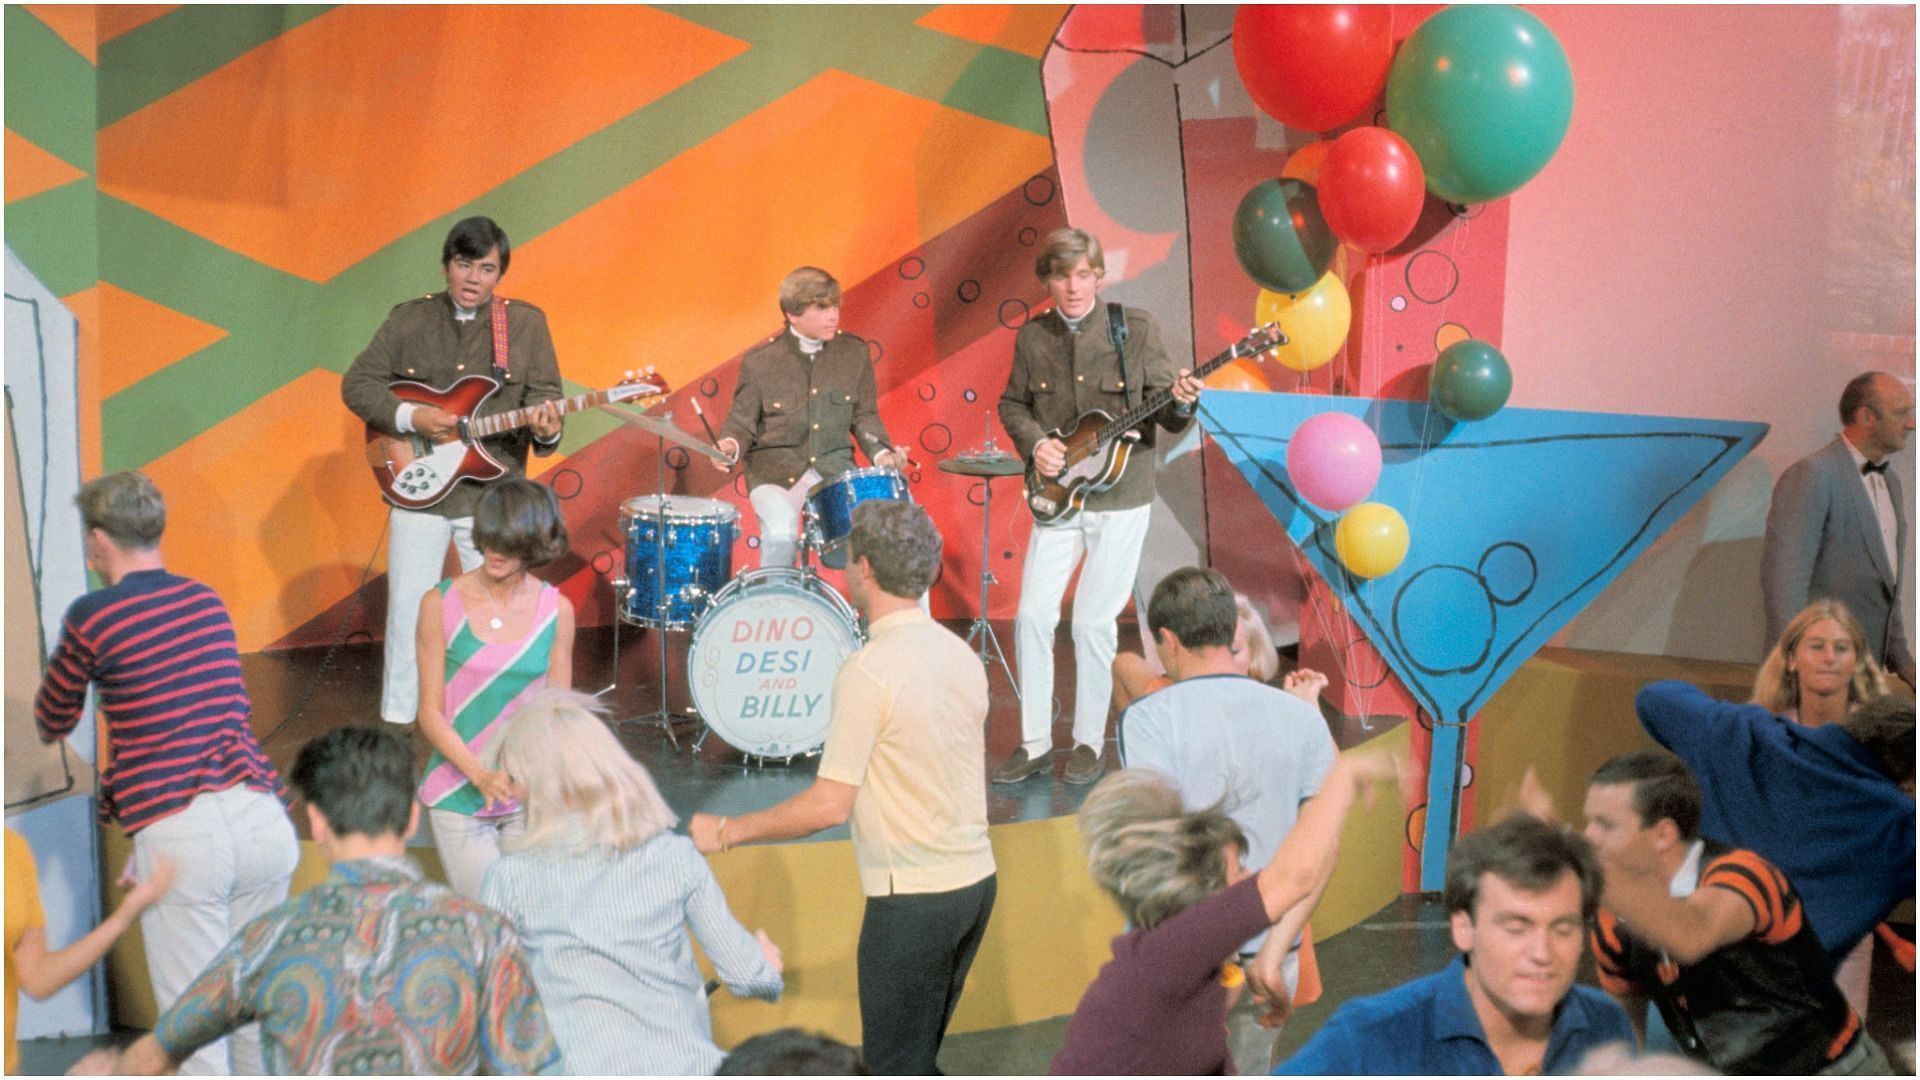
(181, 770)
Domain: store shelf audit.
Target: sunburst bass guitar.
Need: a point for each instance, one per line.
(415, 472)
(1098, 443)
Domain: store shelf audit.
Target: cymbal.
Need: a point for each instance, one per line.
(669, 431)
(983, 465)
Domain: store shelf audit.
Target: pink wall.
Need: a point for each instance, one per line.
(1681, 254)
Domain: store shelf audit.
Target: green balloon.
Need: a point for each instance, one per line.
(1470, 381)
(1279, 236)
(1484, 95)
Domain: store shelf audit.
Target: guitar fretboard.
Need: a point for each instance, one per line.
(488, 426)
(1266, 337)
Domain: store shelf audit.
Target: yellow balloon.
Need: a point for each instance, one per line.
(1314, 321)
(1371, 540)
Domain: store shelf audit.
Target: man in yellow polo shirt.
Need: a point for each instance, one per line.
(906, 760)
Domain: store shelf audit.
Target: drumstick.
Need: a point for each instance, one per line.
(871, 439)
(711, 437)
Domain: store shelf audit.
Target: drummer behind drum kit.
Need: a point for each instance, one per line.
(767, 644)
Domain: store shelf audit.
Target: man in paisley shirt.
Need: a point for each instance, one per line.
(374, 970)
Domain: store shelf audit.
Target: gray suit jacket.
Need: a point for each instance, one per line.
(1823, 542)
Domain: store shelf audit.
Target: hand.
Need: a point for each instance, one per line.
(1050, 456)
(100, 1062)
(142, 893)
(1533, 798)
(1267, 981)
(545, 421)
(1305, 684)
(496, 786)
(731, 448)
(435, 423)
(1370, 770)
(705, 831)
(771, 951)
(1186, 388)
(893, 458)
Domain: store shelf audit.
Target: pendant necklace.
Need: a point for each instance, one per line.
(495, 622)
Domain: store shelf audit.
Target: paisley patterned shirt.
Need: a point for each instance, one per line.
(372, 971)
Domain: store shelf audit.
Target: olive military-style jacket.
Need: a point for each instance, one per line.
(1059, 373)
(421, 341)
(792, 412)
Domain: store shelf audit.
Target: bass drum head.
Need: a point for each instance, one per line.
(763, 660)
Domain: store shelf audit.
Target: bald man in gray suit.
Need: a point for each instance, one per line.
(1837, 527)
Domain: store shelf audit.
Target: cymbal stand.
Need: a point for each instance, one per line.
(662, 717)
(982, 629)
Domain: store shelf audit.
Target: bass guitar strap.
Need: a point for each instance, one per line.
(1117, 333)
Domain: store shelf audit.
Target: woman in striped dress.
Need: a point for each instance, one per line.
(608, 900)
(489, 641)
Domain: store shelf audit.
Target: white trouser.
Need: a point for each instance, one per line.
(1854, 976)
(469, 845)
(416, 550)
(1111, 543)
(233, 854)
(778, 509)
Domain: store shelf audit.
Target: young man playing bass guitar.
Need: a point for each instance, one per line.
(436, 340)
(1075, 358)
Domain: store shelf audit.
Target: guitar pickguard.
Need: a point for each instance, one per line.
(425, 479)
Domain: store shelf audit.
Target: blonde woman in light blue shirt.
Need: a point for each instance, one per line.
(604, 894)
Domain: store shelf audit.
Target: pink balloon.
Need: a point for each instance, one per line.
(1334, 460)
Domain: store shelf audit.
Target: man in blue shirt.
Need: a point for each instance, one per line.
(1520, 896)
(1831, 806)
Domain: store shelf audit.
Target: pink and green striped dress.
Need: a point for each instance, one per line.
(485, 683)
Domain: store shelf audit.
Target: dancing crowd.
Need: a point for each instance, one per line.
(1733, 879)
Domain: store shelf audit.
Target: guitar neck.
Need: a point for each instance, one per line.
(1159, 399)
(483, 427)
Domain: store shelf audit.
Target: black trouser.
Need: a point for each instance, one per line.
(915, 950)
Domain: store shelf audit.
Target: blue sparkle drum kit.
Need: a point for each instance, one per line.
(767, 643)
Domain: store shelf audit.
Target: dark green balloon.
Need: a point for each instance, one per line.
(1471, 380)
(1484, 95)
(1279, 236)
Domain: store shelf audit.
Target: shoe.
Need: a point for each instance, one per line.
(1085, 766)
(1020, 766)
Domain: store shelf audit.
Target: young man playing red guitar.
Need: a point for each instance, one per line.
(436, 340)
(1067, 362)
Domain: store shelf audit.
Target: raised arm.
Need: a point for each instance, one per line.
(1305, 859)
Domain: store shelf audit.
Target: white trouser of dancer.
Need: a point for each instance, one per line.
(469, 845)
(1111, 542)
(416, 550)
(233, 854)
(778, 509)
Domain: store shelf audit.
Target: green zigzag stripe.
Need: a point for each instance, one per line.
(151, 61)
(280, 326)
(50, 90)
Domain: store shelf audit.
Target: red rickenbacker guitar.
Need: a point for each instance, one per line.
(415, 472)
(1098, 444)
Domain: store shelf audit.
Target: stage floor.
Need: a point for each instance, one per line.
(299, 693)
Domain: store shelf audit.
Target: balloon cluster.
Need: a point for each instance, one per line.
(1333, 461)
(1478, 99)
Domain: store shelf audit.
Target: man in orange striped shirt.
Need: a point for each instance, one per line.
(1715, 936)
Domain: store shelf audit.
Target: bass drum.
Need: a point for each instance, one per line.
(764, 657)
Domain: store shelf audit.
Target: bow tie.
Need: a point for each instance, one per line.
(1868, 468)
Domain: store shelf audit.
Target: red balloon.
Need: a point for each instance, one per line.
(1372, 188)
(1313, 66)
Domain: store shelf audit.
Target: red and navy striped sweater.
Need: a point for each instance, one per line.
(161, 652)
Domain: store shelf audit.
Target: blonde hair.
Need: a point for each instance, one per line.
(1263, 660)
(583, 790)
(1064, 248)
(1778, 688)
(1153, 857)
(805, 287)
